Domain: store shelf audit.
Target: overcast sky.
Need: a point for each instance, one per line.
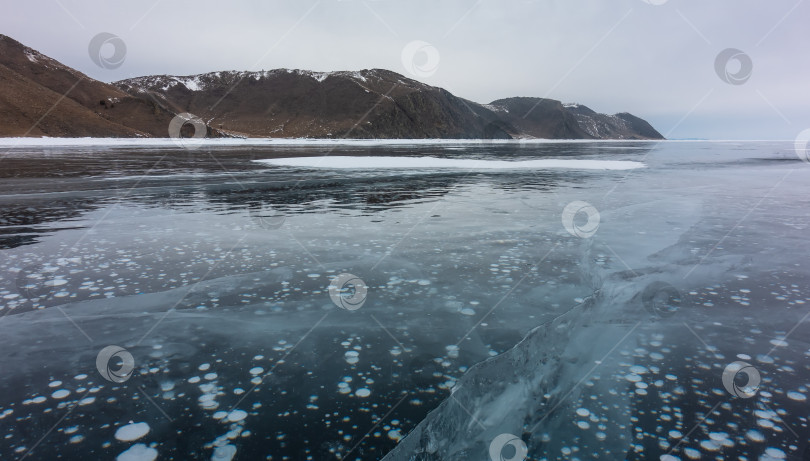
(655, 61)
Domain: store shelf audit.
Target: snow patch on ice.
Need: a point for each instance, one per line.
(337, 162)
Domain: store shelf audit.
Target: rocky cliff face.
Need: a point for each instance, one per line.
(42, 97)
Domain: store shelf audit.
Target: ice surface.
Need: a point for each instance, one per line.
(235, 337)
(532, 391)
(580, 385)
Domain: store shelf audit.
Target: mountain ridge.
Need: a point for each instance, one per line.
(42, 97)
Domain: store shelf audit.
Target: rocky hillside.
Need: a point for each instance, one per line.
(293, 103)
(42, 97)
(547, 118)
(372, 103)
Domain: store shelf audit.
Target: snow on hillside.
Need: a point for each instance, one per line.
(201, 82)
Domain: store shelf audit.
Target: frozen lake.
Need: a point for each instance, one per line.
(639, 274)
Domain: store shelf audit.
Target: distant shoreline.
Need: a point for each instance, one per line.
(224, 142)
